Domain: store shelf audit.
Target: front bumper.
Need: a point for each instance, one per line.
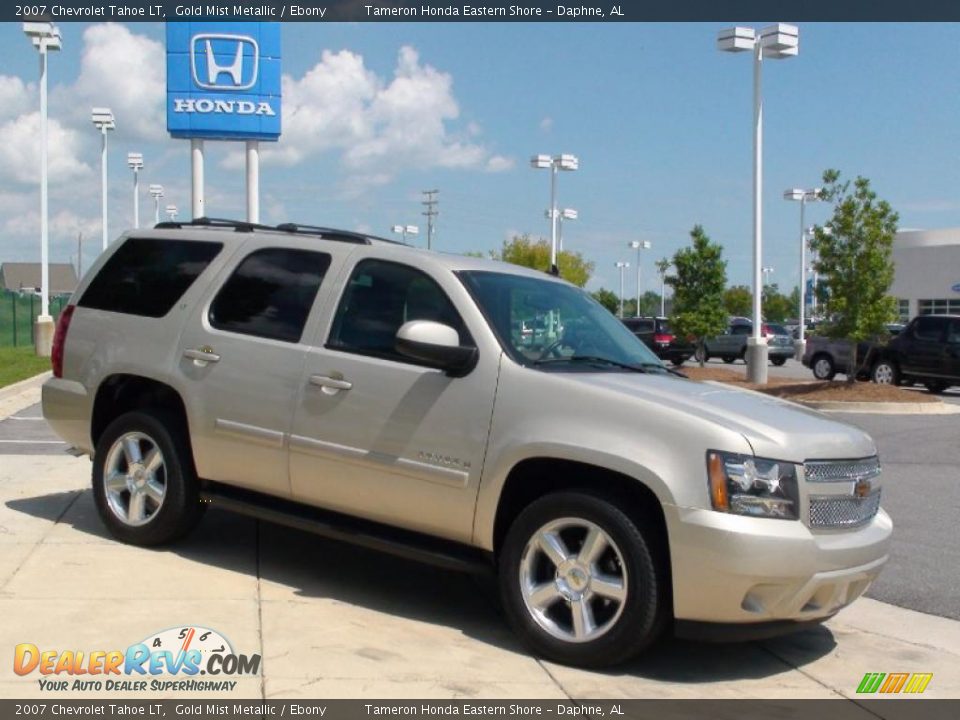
(734, 569)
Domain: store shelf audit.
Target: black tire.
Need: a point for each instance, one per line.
(728, 359)
(936, 386)
(743, 354)
(823, 367)
(885, 372)
(180, 509)
(644, 610)
(779, 361)
(701, 355)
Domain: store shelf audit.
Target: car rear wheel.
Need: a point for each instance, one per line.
(779, 361)
(579, 582)
(144, 484)
(823, 368)
(885, 372)
(728, 359)
(936, 386)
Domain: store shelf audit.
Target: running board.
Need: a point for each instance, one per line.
(345, 528)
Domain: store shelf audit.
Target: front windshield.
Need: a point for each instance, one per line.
(555, 326)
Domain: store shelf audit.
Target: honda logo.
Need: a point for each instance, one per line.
(217, 61)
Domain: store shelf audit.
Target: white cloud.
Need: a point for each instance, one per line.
(546, 124)
(125, 72)
(16, 97)
(378, 126)
(20, 151)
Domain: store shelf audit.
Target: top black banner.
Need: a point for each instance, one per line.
(485, 11)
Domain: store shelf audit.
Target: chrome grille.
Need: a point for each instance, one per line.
(828, 511)
(841, 470)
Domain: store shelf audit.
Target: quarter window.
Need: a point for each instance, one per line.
(147, 277)
(380, 297)
(928, 328)
(270, 294)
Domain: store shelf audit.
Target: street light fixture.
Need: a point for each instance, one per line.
(103, 120)
(767, 272)
(803, 197)
(638, 246)
(135, 163)
(172, 212)
(567, 163)
(405, 230)
(774, 42)
(156, 192)
(565, 214)
(622, 266)
(45, 36)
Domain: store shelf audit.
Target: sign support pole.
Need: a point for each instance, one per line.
(196, 166)
(253, 181)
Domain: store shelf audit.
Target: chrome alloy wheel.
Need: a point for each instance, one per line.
(135, 478)
(883, 374)
(573, 580)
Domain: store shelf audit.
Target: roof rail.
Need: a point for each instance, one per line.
(333, 234)
(289, 227)
(237, 225)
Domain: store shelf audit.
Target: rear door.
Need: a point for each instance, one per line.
(922, 349)
(241, 360)
(952, 351)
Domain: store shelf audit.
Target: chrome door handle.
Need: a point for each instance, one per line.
(325, 381)
(203, 354)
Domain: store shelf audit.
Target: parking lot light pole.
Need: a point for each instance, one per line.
(565, 214)
(622, 266)
(803, 197)
(156, 192)
(638, 246)
(567, 163)
(135, 163)
(404, 230)
(172, 212)
(103, 120)
(774, 42)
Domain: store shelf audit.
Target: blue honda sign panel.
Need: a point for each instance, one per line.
(223, 80)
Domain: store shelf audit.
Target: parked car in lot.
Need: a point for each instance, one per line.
(926, 351)
(732, 345)
(379, 394)
(657, 335)
(826, 357)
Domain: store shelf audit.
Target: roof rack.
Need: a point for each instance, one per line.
(237, 225)
(289, 227)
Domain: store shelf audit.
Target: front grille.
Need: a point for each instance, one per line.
(841, 470)
(832, 511)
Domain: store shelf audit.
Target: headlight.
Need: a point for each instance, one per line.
(747, 485)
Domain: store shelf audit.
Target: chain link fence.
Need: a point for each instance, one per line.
(18, 311)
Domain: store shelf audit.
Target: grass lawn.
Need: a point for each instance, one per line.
(20, 363)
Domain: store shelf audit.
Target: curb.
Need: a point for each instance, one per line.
(882, 408)
(28, 384)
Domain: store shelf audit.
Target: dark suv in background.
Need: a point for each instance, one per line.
(656, 333)
(926, 351)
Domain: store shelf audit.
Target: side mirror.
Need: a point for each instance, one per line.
(437, 345)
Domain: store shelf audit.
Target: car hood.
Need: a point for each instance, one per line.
(775, 428)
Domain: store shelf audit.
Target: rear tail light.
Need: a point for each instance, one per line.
(765, 331)
(59, 339)
(662, 338)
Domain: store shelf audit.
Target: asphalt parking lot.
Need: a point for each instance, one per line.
(337, 621)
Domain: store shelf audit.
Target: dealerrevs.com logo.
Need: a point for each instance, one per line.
(177, 659)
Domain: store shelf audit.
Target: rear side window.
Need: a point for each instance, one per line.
(147, 277)
(270, 293)
(928, 328)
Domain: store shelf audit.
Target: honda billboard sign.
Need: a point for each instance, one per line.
(223, 80)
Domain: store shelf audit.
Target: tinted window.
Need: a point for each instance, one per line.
(270, 293)
(928, 328)
(663, 327)
(777, 329)
(953, 334)
(741, 330)
(147, 277)
(639, 325)
(382, 296)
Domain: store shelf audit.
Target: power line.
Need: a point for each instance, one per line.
(431, 212)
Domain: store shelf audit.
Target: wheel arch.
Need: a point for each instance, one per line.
(122, 392)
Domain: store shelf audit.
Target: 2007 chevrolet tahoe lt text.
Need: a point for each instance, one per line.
(385, 395)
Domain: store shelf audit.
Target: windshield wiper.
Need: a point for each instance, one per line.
(596, 360)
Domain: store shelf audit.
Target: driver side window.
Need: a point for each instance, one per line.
(379, 298)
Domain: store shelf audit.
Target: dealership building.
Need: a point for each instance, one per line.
(927, 272)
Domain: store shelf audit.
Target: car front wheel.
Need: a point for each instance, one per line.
(779, 361)
(579, 581)
(822, 367)
(144, 484)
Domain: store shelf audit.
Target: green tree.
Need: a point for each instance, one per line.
(698, 282)
(855, 262)
(777, 307)
(738, 300)
(608, 299)
(523, 250)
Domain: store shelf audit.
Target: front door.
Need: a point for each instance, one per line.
(924, 347)
(380, 436)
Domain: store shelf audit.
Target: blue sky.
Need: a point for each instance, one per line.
(660, 120)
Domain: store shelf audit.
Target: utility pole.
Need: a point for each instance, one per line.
(430, 213)
(79, 255)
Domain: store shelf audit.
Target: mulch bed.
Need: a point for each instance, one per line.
(830, 390)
